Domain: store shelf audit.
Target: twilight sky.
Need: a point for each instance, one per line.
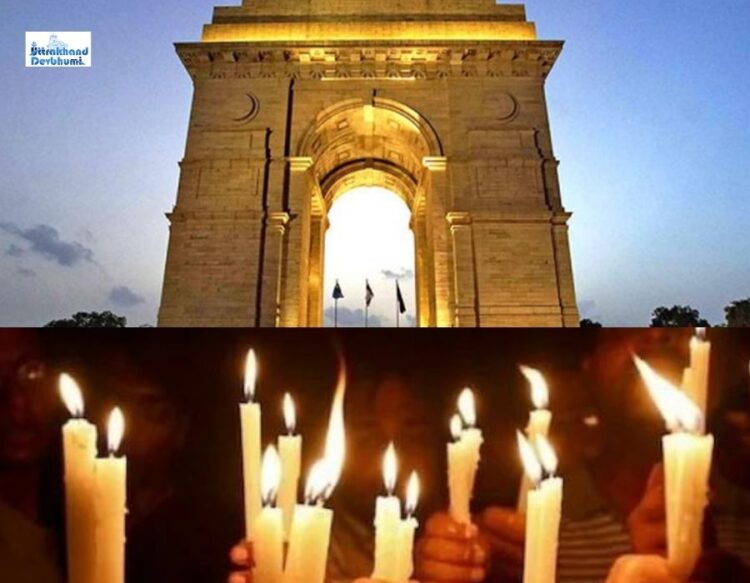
(649, 106)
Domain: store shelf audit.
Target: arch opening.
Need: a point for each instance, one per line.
(369, 239)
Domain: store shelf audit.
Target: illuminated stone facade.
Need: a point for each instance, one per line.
(298, 101)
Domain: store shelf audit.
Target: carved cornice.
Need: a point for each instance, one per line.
(401, 60)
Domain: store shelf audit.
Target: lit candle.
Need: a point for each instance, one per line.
(110, 501)
(404, 556)
(310, 535)
(544, 509)
(463, 457)
(695, 381)
(387, 521)
(540, 420)
(250, 423)
(268, 528)
(79, 452)
(687, 464)
(290, 450)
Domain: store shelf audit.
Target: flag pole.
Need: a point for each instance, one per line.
(336, 313)
(367, 308)
(398, 311)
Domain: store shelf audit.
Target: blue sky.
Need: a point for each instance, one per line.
(649, 106)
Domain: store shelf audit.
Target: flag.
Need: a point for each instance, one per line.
(369, 294)
(337, 293)
(400, 299)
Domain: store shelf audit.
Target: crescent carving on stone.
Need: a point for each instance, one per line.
(252, 113)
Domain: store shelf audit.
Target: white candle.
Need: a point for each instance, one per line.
(540, 420)
(311, 531)
(290, 450)
(387, 521)
(404, 553)
(687, 464)
(79, 452)
(250, 424)
(544, 510)
(310, 535)
(463, 458)
(268, 528)
(696, 386)
(110, 501)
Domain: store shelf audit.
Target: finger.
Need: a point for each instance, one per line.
(430, 570)
(506, 552)
(453, 551)
(241, 554)
(504, 523)
(240, 577)
(442, 525)
(656, 477)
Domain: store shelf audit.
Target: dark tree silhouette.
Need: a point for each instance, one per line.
(738, 314)
(589, 323)
(677, 317)
(90, 320)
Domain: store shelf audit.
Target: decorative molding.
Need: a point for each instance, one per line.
(401, 61)
(300, 163)
(458, 219)
(435, 163)
(252, 111)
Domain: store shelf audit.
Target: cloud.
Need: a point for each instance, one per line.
(14, 250)
(25, 271)
(403, 274)
(125, 297)
(45, 241)
(411, 321)
(352, 318)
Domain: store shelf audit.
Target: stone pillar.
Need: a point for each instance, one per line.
(439, 244)
(297, 246)
(273, 255)
(565, 282)
(318, 226)
(464, 271)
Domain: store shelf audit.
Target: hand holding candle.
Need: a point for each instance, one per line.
(687, 464)
(250, 425)
(463, 457)
(110, 501)
(540, 420)
(79, 449)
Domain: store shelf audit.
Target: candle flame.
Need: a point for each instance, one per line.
(456, 426)
(318, 486)
(678, 411)
(467, 408)
(412, 494)
(290, 414)
(270, 475)
(390, 469)
(71, 395)
(251, 375)
(539, 389)
(547, 455)
(115, 430)
(531, 464)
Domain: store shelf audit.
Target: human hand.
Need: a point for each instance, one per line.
(505, 531)
(241, 556)
(450, 551)
(647, 523)
(641, 569)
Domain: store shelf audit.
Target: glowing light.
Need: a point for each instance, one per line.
(700, 334)
(539, 389)
(678, 411)
(251, 375)
(71, 395)
(115, 430)
(467, 407)
(547, 455)
(456, 427)
(270, 475)
(412, 494)
(531, 464)
(290, 414)
(390, 469)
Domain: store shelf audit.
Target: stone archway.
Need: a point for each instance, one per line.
(354, 143)
(441, 101)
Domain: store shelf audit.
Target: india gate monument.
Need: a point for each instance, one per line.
(297, 102)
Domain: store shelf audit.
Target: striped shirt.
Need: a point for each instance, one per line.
(731, 513)
(589, 547)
